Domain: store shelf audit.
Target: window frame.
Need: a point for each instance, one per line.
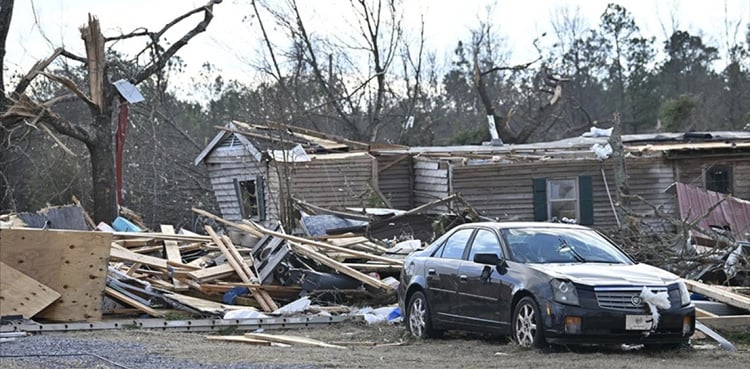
(576, 200)
(712, 168)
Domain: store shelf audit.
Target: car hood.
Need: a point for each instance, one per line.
(595, 274)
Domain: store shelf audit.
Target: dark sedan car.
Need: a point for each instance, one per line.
(542, 283)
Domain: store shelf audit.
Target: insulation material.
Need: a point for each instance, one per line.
(655, 301)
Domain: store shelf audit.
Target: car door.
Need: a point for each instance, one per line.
(441, 273)
(482, 290)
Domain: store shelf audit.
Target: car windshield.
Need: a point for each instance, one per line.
(560, 245)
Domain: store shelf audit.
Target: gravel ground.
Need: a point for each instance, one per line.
(389, 347)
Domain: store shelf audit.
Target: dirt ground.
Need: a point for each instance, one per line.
(393, 348)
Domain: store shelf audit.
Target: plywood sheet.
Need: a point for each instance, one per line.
(21, 294)
(73, 263)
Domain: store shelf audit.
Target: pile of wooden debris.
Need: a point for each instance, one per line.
(234, 269)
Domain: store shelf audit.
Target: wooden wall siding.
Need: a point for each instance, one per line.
(397, 181)
(504, 191)
(690, 171)
(742, 179)
(431, 181)
(224, 164)
(330, 182)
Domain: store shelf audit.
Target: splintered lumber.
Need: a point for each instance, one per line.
(728, 323)
(263, 299)
(21, 294)
(241, 227)
(206, 306)
(129, 301)
(172, 249)
(292, 340)
(341, 268)
(211, 273)
(246, 268)
(160, 236)
(242, 339)
(73, 263)
(718, 294)
(326, 246)
(119, 253)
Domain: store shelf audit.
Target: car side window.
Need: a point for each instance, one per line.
(485, 242)
(455, 245)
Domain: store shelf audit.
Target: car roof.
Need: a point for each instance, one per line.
(507, 225)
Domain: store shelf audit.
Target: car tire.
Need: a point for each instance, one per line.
(528, 328)
(418, 319)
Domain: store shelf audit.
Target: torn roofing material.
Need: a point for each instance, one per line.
(732, 214)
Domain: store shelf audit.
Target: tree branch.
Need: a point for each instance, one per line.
(161, 60)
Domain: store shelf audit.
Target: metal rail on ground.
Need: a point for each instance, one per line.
(180, 325)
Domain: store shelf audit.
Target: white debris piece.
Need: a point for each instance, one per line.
(601, 151)
(244, 314)
(655, 301)
(297, 306)
(598, 132)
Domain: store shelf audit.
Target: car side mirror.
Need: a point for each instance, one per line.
(492, 259)
(489, 259)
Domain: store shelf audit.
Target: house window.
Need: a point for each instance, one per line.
(250, 198)
(718, 178)
(562, 199)
(570, 198)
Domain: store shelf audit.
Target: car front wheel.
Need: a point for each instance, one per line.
(418, 316)
(528, 329)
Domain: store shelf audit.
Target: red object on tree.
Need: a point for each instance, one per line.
(122, 125)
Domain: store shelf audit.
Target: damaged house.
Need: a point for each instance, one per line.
(255, 170)
(566, 178)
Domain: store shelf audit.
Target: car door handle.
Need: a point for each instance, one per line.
(431, 271)
(463, 277)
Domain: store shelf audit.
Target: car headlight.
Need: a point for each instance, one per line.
(564, 292)
(684, 294)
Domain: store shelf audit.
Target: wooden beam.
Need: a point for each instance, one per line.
(241, 227)
(327, 246)
(291, 340)
(211, 273)
(718, 294)
(268, 301)
(728, 323)
(241, 339)
(237, 266)
(121, 297)
(364, 278)
(172, 249)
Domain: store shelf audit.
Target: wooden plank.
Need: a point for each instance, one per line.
(292, 340)
(73, 263)
(21, 294)
(261, 294)
(728, 323)
(243, 339)
(700, 313)
(238, 269)
(172, 249)
(211, 273)
(364, 278)
(127, 255)
(121, 297)
(718, 294)
(324, 245)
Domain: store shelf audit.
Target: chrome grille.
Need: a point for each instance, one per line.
(623, 298)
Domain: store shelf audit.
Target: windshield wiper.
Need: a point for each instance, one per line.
(564, 246)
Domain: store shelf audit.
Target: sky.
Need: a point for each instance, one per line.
(39, 26)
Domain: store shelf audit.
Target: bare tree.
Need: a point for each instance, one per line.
(378, 33)
(102, 98)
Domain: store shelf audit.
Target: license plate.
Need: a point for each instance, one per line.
(638, 322)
